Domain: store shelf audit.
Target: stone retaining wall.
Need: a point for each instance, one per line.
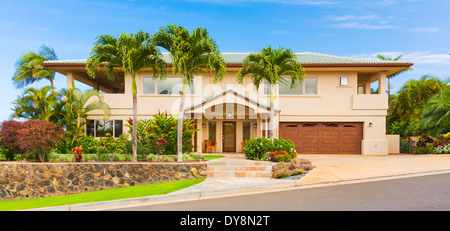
(34, 180)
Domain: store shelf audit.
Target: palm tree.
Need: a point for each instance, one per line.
(74, 108)
(414, 95)
(436, 114)
(272, 66)
(36, 104)
(29, 69)
(385, 58)
(132, 53)
(408, 106)
(190, 53)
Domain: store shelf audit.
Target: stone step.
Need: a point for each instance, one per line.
(240, 162)
(239, 168)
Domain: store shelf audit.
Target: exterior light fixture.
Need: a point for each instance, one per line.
(203, 125)
(370, 124)
(255, 125)
(344, 81)
(229, 114)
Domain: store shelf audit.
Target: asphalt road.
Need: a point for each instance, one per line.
(420, 193)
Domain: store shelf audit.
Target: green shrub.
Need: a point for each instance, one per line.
(262, 148)
(255, 148)
(89, 144)
(283, 145)
(282, 158)
(8, 154)
(422, 150)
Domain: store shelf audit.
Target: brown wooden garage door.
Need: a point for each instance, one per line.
(324, 138)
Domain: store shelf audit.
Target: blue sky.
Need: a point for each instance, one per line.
(417, 29)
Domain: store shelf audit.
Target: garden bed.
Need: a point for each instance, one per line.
(296, 168)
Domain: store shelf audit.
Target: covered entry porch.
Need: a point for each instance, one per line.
(226, 120)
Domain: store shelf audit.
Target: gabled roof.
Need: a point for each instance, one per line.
(225, 92)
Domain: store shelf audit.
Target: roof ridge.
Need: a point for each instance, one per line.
(303, 58)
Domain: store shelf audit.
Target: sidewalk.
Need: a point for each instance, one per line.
(329, 169)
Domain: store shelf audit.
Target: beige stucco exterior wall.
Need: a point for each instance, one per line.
(333, 103)
(393, 144)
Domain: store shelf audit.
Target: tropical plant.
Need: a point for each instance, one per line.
(191, 53)
(162, 131)
(272, 66)
(132, 53)
(385, 58)
(74, 108)
(408, 107)
(36, 104)
(436, 114)
(30, 70)
(78, 154)
(114, 146)
(414, 95)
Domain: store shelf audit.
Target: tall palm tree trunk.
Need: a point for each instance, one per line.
(53, 86)
(134, 138)
(180, 124)
(272, 111)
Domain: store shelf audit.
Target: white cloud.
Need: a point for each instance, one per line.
(355, 17)
(359, 25)
(367, 22)
(384, 3)
(425, 29)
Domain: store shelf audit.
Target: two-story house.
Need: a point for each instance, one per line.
(332, 112)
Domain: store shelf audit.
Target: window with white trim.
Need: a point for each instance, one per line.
(99, 128)
(167, 86)
(307, 87)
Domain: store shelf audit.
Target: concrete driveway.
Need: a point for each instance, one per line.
(338, 168)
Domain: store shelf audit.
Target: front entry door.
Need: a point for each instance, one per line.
(229, 136)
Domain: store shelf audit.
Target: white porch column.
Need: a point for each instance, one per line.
(382, 83)
(69, 80)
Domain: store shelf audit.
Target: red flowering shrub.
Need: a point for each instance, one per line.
(163, 125)
(9, 133)
(38, 137)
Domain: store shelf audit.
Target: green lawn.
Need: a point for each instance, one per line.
(103, 195)
(207, 157)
